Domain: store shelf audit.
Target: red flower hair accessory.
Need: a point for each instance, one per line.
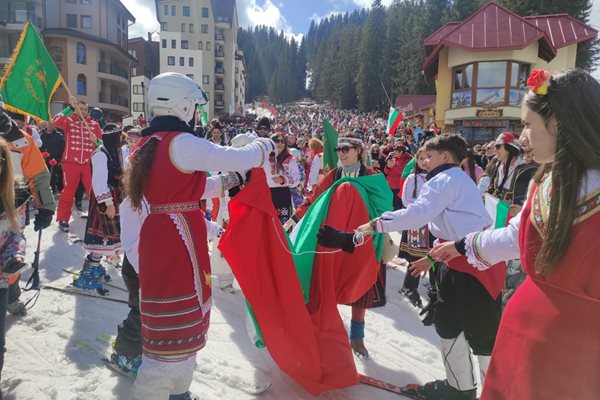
(538, 82)
(52, 162)
(45, 154)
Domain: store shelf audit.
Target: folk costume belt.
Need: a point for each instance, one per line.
(174, 207)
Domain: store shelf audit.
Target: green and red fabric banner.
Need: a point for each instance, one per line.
(330, 138)
(394, 119)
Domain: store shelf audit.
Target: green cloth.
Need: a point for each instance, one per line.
(203, 115)
(31, 78)
(409, 168)
(377, 196)
(330, 138)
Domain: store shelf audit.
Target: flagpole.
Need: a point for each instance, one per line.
(386, 94)
(77, 110)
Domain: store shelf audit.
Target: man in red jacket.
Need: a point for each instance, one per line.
(393, 172)
(81, 137)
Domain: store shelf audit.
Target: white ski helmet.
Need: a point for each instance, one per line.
(173, 94)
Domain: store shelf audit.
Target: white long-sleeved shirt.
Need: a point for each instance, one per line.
(408, 188)
(100, 177)
(291, 174)
(315, 167)
(489, 247)
(449, 203)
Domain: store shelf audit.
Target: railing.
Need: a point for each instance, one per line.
(113, 69)
(219, 103)
(220, 37)
(219, 53)
(113, 98)
(19, 17)
(219, 70)
(219, 86)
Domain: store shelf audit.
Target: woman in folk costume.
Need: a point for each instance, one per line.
(315, 164)
(350, 152)
(548, 342)
(102, 231)
(167, 177)
(284, 176)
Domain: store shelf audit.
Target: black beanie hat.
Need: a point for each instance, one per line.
(264, 122)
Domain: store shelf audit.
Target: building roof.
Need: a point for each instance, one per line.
(562, 29)
(411, 104)
(496, 28)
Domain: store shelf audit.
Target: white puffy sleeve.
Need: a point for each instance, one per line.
(291, 173)
(315, 167)
(489, 247)
(131, 225)
(100, 178)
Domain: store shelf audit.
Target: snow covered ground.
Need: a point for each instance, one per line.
(55, 351)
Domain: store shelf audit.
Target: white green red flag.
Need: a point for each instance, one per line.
(394, 119)
(498, 210)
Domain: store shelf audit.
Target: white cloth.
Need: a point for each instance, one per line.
(315, 167)
(125, 152)
(484, 183)
(490, 247)
(449, 203)
(36, 137)
(458, 363)
(409, 186)
(290, 173)
(100, 177)
(157, 380)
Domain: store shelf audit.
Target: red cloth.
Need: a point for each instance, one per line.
(72, 174)
(492, 278)
(394, 174)
(175, 285)
(548, 343)
(78, 144)
(308, 342)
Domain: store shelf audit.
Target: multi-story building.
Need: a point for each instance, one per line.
(146, 52)
(206, 29)
(88, 40)
(240, 82)
(13, 15)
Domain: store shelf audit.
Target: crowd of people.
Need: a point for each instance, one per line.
(523, 298)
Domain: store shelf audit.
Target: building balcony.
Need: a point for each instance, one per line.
(220, 54)
(114, 101)
(219, 104)
(16, 18)
(219, 71)
(219, 87)
(113, 69)
(219, 37)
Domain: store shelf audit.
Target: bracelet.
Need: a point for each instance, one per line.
(373, 224)
(430, 261)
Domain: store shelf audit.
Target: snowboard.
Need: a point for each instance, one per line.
(390, 387)
(69, 289)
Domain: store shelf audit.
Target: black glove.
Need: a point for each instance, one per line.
(43, 218)
(13, 265)
(429, 309)
(330, 237)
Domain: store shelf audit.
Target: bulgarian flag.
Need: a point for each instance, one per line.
(394, 120)
(31, 77)
(498, 210)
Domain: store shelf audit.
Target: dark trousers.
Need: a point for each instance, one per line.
(14, 292)
(79, 193)
(464, 305)
(129, 335)
(397, 201)
(3, 306)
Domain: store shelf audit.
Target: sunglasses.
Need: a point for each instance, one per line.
(344, 149)
(278, 140)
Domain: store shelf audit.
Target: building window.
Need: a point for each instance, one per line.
(182, 61)
(80, 53)
(164, 43)
(166, 9)
(204, 28)
(133, 71)
(86, 22)
(200, 45)
(173, 43)
(139, 107)
(81, 85)
(186, 11)
(137, 89)
(71, 21)
(163, 26)
(171, 60)
(86, 2)
(204, 12)
(206, 79)
(184, 44)
(191, 61)
(191, 28)
(182, 27)
(208, 46)
(173, 10)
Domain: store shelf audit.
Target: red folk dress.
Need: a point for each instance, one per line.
(548, 344)
(175, 286)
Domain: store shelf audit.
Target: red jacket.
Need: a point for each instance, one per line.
(394, 174)
(79, 146)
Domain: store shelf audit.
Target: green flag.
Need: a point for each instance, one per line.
(330, 138)
(31, 77)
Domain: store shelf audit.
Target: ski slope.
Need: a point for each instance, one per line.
(55, 351)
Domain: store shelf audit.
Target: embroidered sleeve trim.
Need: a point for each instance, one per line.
(473, 250)
(101, 198)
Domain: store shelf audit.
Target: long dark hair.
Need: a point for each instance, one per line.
(513, 153)
(137, 174)
(418, 170)
(573, 105)
(285, 153)
(471, 161)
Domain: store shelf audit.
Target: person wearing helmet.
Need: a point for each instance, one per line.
(166, 179)
(82, 134)
(33, 180)
(97, 115)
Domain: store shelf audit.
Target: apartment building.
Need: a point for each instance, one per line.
(199, 38)
(147, 54)
(13, 15)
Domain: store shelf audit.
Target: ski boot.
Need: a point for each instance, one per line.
(438, 390)
(63, 226)
(183, 396)
(90, 275)
(129, 364)
(413, 297)
(17, 308)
